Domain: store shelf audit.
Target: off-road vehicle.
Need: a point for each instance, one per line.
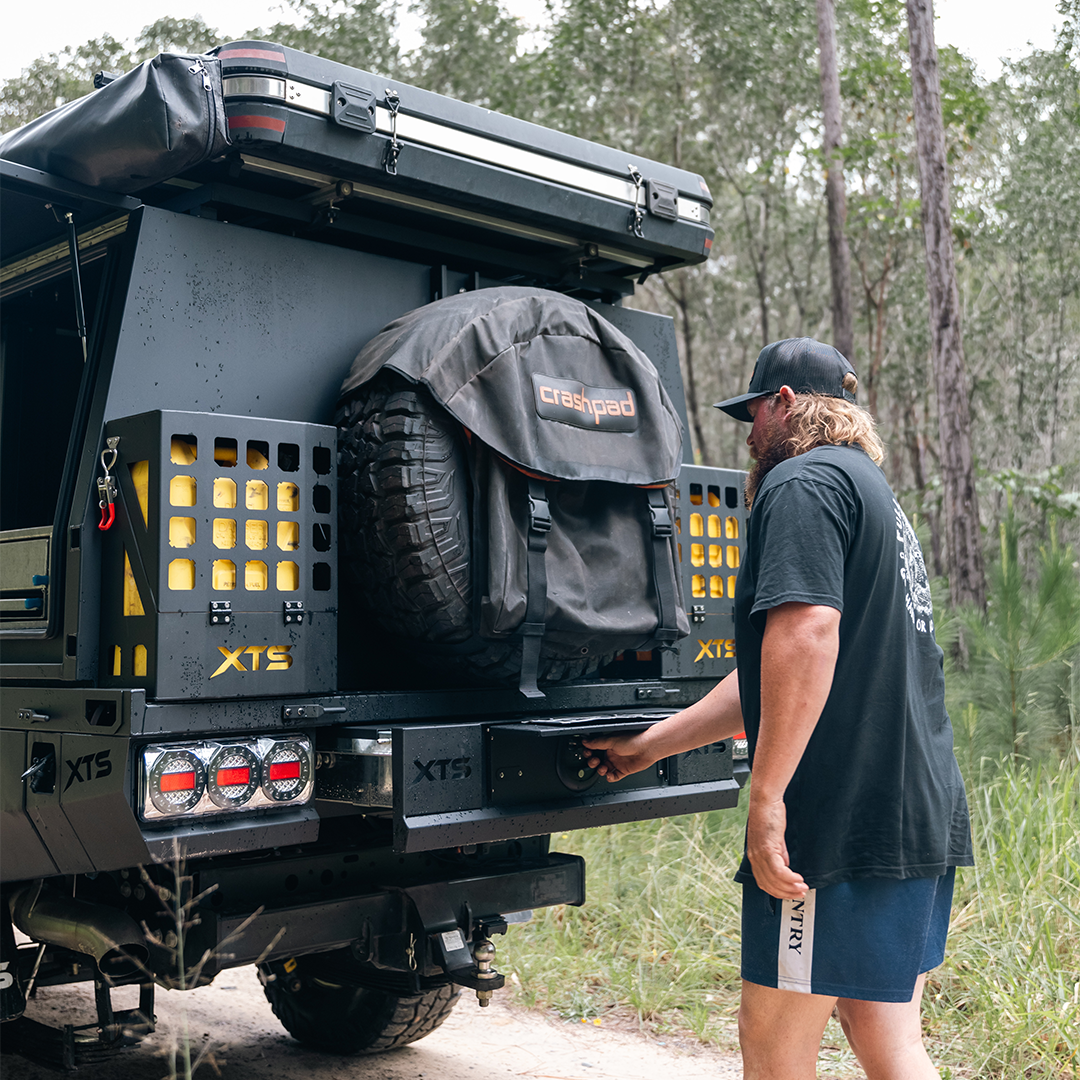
(344, 493)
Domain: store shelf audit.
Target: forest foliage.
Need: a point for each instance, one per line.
(731, 90)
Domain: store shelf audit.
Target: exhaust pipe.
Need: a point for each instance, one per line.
(110, 936)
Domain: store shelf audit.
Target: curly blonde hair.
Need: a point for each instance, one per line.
(818, 420)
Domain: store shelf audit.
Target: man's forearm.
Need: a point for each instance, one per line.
(798, 660)
(716, 716)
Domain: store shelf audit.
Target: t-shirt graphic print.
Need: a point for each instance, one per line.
(913, 571)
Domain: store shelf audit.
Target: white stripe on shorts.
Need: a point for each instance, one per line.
(796, 948)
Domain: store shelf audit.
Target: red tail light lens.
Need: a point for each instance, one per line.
(178, 781)
(288, 770)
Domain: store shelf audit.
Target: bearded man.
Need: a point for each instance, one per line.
(857, 815)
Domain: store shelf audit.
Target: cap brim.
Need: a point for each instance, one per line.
(736, 406)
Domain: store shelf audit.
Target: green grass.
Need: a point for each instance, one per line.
(1006, 1003)
(659, 933)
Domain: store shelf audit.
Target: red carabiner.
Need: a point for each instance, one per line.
(108, 516)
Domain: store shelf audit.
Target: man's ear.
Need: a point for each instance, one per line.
(787, 395)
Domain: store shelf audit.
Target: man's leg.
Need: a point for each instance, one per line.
(780, 1032)
(887, 1037)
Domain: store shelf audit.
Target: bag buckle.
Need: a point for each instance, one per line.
(661, 520)
(539, 514)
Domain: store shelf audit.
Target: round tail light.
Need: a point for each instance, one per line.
(176, 781)
(286, 771)
(232, 776)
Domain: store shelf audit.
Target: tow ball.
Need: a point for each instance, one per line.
(472, 964)
(484, 954)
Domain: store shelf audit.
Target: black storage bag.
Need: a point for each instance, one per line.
(151, 124)
(574, 443)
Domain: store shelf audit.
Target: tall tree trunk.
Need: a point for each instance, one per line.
(917, 448)
(967, 579)
(835, 196)
(681, 296)
(877, 315)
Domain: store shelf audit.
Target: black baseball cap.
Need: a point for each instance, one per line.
(806, 365)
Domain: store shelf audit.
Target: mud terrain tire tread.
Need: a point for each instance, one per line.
(340, 1017)
(403, 482)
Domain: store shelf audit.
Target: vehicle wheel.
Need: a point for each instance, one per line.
(405, 534)
(321, 1007)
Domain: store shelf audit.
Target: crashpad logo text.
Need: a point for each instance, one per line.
(590, 407)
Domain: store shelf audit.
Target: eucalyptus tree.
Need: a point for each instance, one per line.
(967, 577)
(883, 200)
(1038, 225)
(835, 191)
(1019, 237)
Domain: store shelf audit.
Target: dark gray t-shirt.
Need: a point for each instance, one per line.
(878, 793)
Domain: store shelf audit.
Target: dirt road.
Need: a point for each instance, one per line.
(233, 1020)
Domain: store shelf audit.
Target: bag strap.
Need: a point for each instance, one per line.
(532, 629)
(663, 529)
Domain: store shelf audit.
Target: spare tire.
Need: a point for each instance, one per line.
(405, 531)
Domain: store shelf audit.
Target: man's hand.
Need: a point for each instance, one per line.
(767, 851)
(616, 756)
(716, 716)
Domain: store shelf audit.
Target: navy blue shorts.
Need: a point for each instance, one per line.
(868, 940)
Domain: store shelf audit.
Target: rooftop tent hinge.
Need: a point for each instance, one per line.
(393, 149)
(353, 107)
(220, 612)
(662, 200)
(301, 712)
(293, 612)
(637, 212)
